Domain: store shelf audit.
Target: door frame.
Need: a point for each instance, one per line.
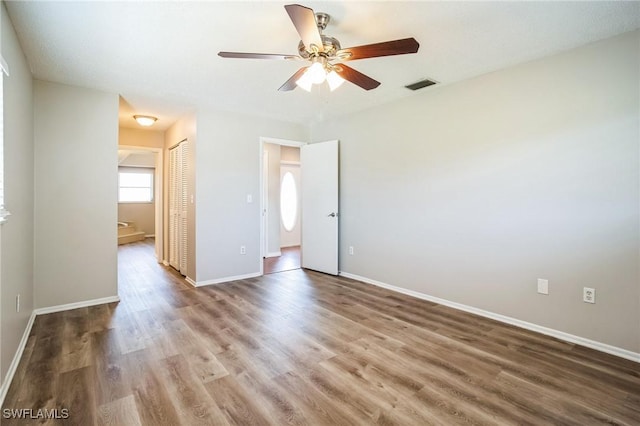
(263, 202)
(158, 194)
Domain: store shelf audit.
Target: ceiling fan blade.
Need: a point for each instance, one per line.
(386, 48)
(291, 83)
(356, 77)
(304, 20)
(241, 55)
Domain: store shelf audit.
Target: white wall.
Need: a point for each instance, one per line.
(16, 234)
(76, 143)
(227, 169)
(273, 200)
(472, 191)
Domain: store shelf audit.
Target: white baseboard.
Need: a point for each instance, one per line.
(8, 378)
(291, 245)
(76, 305)
(602, 347)
(190, 281)
(273, 254)
(225, 279)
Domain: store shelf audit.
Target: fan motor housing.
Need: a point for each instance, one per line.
(331, 46)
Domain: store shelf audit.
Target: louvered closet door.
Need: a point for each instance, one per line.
(184, 155)
(173, 225)
(178, 201)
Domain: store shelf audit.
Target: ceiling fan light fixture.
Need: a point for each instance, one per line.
(322, 50)
(145, 120)
(317, 73)
(305, 82)
(334, 80)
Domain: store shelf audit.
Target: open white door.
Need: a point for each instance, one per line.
(319, 166)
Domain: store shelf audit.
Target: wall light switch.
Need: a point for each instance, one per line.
(249, 198)
(543, 286)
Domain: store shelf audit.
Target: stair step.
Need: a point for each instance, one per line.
(130, 238)
(125, 228)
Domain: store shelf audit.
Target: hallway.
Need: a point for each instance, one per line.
(288, 260)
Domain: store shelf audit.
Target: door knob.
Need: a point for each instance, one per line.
(332, 214)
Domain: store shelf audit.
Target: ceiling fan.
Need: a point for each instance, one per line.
(326, 55)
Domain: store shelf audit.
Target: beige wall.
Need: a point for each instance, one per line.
(76, 143)
(290, 153)
(185, 128)
(472, 191)
(137, 159)
(16, 257)
(273, 200)
(227, 169)
(143, 214)
(141, 137)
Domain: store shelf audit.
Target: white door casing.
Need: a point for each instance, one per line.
(264, 200)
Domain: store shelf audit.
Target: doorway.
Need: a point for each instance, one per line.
(281, 205)
(140, 192)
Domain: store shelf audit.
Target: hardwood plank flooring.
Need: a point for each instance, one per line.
(300, 347)
(288, 260)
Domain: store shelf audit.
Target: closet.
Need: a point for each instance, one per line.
(178, 201)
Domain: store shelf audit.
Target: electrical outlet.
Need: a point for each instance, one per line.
(243, 250)
(589, 295)
(18, 303)
(543, 286)
(351, 250)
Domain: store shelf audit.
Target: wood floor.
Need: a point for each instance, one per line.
(300, 347)
(288, 260)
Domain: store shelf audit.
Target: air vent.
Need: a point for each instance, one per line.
(420, 84)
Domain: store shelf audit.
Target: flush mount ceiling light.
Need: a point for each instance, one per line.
(145, 120)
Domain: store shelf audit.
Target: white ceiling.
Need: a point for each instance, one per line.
(161, 57)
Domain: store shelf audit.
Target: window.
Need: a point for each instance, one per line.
(288, 201)
(135, 185)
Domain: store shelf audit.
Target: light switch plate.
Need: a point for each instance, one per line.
(543, 286)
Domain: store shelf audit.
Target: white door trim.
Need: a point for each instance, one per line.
(263, 203)
(264, 211)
